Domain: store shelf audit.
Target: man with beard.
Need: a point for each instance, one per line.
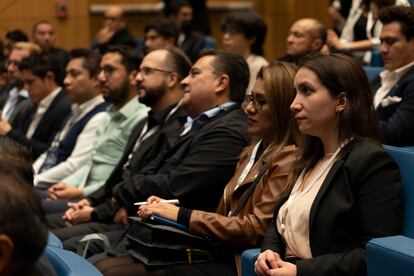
(118, 69)
(158, 83)
(202, 160)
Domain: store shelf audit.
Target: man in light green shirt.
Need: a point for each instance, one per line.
(118, 69)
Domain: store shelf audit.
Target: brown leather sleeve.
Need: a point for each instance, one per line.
(247, 229)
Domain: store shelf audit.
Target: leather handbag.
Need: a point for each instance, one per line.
(158, 245)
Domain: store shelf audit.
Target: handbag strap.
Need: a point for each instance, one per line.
(250, 190)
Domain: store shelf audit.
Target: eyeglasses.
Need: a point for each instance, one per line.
(149, 70)
(258, 103)
(108, 70)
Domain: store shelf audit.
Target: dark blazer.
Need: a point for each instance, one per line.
(196, 169)
(397, 119)
(360, 199)
(23, 105)
(158, 143)
(49, 125)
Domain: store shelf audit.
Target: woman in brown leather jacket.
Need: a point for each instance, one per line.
(269, 158)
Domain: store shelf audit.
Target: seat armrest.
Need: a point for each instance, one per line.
(67, 263)
(390, 256)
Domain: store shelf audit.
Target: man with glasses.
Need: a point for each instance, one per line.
(118, 69)
(16, 101)
(394, 87)
(203, 159)
(158, 84)
(114, 30)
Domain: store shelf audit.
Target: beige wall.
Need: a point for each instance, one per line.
(79, 28)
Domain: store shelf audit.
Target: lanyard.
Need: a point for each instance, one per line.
(249, 165)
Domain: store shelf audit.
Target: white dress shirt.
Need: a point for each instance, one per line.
(82, 148)
(388, 80)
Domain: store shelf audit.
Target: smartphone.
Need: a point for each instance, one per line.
(164, 221)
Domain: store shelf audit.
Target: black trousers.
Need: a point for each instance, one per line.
(71, 235)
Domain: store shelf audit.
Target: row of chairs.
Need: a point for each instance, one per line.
(392, 255)
(67, 263)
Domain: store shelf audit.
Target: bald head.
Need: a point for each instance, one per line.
(305, 36)
(114, 11)
(114, 18)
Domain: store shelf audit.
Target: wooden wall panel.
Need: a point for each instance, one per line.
(70, 32)
(80, 27)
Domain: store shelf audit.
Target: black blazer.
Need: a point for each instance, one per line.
(397, 119)
(158, 143)
(49, 125)
(196, 169)
(360, 199)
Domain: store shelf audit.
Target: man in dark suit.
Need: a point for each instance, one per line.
(149, 138)
(394, 87)
(16, 99)
(43, 77)
(189, 40)
(204, 157)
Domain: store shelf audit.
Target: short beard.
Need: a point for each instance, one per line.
(153, 95)
(119, 95)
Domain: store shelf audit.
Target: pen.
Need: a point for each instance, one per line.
(172, 201)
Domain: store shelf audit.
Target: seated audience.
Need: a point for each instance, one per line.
(189, 40)
(362, 29)
(72, 145)
(43, 79)
(263, 166)
(150, 138)
(160, 33)
(206, 153)
(118, 69)
(345, 189)
(306, 35)
(15, 102)
(394, 87)
(114, 30)
(244, 33)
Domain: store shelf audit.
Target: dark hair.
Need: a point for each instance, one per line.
(340, 73)
(402, 15)
(131, 58)
(22, 218)
(38, 23)
(235, 67)
(251, 24)
(18, 156)
(16, 36)
(178, 62)
(42, 63)
(91, 60)
(173, 7)
(164, 27)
